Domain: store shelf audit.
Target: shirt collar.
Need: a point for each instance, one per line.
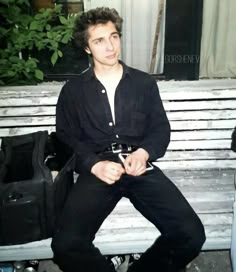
(89, 73)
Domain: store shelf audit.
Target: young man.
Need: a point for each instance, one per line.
(108, 109)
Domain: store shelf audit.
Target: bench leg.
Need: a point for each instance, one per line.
(233, 240)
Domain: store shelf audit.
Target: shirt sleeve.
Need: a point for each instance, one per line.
(157, 136)
(68, 131)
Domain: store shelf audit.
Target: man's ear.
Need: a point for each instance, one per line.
(87, 50)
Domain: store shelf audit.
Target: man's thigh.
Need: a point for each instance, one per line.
(160, 201)
(89, 203)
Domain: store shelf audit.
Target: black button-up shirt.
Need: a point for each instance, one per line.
(84, 119)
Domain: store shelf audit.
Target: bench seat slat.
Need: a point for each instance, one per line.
(203, 203)
(151, 233)
(117, 221)
(201, 207)
(206, 181)
(43, 250)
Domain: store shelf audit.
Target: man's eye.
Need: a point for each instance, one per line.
(98, 41)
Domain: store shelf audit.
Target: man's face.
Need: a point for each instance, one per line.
(104, 44)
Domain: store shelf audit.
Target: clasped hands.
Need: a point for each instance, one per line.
(110, 172)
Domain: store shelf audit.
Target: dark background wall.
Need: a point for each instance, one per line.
(183, 39)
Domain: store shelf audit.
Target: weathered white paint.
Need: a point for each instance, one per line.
(198, 155)
(199, 161)
(202, 115)
(26, 111)
(201, 134)
(196, 105)
(192, 164)
(23, 130)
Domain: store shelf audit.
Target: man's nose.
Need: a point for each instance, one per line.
(109, 45)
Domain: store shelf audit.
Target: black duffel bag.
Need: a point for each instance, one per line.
(30, 200)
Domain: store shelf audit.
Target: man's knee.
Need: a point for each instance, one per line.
(195, 235)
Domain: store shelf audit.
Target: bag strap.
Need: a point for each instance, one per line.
(5, 155)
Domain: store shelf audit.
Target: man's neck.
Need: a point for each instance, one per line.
(108, 72)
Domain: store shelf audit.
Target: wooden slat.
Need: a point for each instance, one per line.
(33, 90)
(218, 175)
(27, 121)
(202, 115)
(42, 249)
(23, 130)
(27, 111)
(184, 155)
(134, 219)
(175, 125)
(204, 205)
(150, 234)
(193, 116)
(199, 105)
(201, 134)
(206, 180)
(205, 124)
(26, 101)
(207, 87)
(198, 155)
(179, 94)
(208, 202)
(199, 144)
(175, 135)
(192, 164)
(202, 84)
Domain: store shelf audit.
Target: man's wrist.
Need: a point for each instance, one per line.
(142, 152)
(94, 167)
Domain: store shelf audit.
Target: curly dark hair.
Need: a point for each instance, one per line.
(100, 15)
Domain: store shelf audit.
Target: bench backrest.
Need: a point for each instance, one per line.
(202, 116)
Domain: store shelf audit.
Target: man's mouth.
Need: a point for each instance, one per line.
(111, 56)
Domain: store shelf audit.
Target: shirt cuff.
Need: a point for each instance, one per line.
(86, 162)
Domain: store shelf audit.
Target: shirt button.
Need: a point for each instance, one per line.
(103, 91)
(117, 136)
(110, 124)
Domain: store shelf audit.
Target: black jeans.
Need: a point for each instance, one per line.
(155, 196)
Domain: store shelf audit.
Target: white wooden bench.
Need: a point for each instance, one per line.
(199, 161)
